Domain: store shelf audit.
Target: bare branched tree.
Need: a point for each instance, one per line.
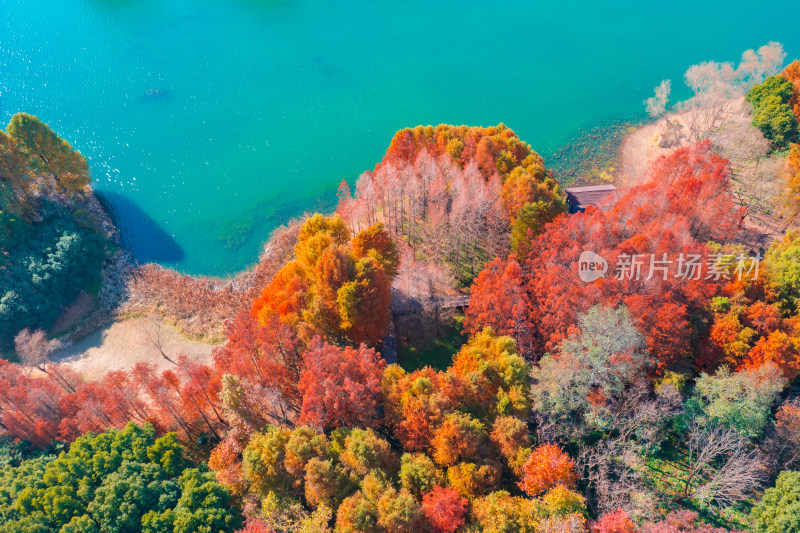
(34, 349)
(714, 86)
(445, 213)
(754, 176)
(658, 107)
(756, 65)
(613, 467)
(153, 333)
(782, 445)
(573, 523)
(423, 298)
(723, 468)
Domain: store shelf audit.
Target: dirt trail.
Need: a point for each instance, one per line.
(123, 343)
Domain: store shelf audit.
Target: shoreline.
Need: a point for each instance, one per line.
(132, 293)
(761, 224)
(136, 300)
(641, 146)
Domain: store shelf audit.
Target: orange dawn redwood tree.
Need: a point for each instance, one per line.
(792, 181)
(444, 508)
(548, 466)
(333, 287)
(614, 522)
(749, 327)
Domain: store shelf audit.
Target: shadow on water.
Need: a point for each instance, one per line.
(141, 235)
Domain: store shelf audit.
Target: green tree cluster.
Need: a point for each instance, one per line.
(46, 271)
(779, 510)
(772, 110)
(45, 153)
(741, 400)
(783, 267)
(117, 481)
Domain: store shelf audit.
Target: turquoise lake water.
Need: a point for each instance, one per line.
(207, 123)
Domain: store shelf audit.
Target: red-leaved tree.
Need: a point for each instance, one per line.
(267, 360)
(548, 466)
(341, 387)
(444, 509)
(615, 522)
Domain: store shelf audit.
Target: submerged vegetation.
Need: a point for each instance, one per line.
(235, 233)
(592, 156)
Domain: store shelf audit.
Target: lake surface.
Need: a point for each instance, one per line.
(207, 123)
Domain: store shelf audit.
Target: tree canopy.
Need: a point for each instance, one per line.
(47, 153)
(772, 110)
(120, 480)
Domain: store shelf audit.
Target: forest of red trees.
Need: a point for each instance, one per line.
(682, 208)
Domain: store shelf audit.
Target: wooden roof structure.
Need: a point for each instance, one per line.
(579, 198)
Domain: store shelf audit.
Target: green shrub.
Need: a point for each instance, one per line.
(779, 510)
(41, 275)
(772, 113)
(741, 401)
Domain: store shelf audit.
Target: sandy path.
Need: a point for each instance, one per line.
(640, 148)
(122, 344)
